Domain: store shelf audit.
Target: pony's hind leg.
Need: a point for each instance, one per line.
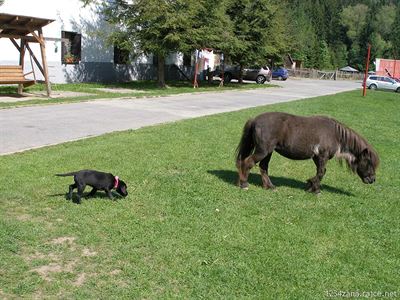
(267, 184)
(244, 167)
(314, 183)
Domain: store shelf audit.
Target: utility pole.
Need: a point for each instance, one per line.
(366, 71)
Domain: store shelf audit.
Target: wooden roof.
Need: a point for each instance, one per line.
(19, 26)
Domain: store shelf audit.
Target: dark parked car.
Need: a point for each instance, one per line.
(280, 74)
(257, 74)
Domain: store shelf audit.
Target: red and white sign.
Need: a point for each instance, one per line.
(387, 67)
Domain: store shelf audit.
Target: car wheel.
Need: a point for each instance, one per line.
(373, 87)
(398, 90)
(260, 79)
(227, 77)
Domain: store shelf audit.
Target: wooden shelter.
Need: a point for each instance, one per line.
(27, 30)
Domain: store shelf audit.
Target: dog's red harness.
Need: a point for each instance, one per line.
(116, 182)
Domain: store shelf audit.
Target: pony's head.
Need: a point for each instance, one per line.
(360, 157)
(365, 165)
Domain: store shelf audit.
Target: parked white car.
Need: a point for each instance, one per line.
(382, 83)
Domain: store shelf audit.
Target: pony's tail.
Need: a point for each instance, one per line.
(246, 145)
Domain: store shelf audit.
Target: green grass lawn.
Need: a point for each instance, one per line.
(139, 89)
(186, 231)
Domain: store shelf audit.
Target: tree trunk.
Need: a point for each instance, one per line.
(241, 74)
(161, 71)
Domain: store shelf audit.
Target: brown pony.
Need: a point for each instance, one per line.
(296, 137)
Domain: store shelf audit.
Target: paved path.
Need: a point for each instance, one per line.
(37, 126)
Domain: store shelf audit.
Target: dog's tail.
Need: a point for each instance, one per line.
(67, 174)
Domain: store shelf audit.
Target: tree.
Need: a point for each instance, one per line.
(339, 55)
(258, 32)
(385, 18)
(354, 19)
(303, 37)
(395, 35)
(160, 27)
(323, 56)
(367, 36)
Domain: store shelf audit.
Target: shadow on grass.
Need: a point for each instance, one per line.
(98, 195)
(11, 95)
(231, 177)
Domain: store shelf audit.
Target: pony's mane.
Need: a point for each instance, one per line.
(353, 146)
(349, 140)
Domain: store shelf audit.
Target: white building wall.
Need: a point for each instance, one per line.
(97, 57)
(69, 16)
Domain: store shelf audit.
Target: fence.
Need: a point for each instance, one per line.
(326, 75)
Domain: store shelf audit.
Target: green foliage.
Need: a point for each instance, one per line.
(395, 34)
(385, 19)
(347, 26)
(338, 55)
(323, 58)
(258, 32)
(321, 33)
(303, 37)
(354, 19)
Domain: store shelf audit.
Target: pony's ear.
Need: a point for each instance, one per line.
(365, 152)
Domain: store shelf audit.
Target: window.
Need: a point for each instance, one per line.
(121, 56)
(70, 47)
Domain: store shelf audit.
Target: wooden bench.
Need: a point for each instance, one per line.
(14, 75)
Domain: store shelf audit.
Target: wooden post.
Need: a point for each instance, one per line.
(44, 62)
(21, 63)
(366, 71)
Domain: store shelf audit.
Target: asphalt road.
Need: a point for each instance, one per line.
(37, 126)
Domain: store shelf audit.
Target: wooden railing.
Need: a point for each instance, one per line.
(325, 75)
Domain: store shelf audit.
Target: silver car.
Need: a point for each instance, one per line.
(257, 74)
(383, 83)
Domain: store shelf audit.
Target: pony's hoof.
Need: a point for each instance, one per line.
(313, 189)
(244, 186)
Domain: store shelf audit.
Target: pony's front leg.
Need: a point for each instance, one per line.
(243, 173)
(314, 183)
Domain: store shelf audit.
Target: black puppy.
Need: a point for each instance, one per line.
(98, 181)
